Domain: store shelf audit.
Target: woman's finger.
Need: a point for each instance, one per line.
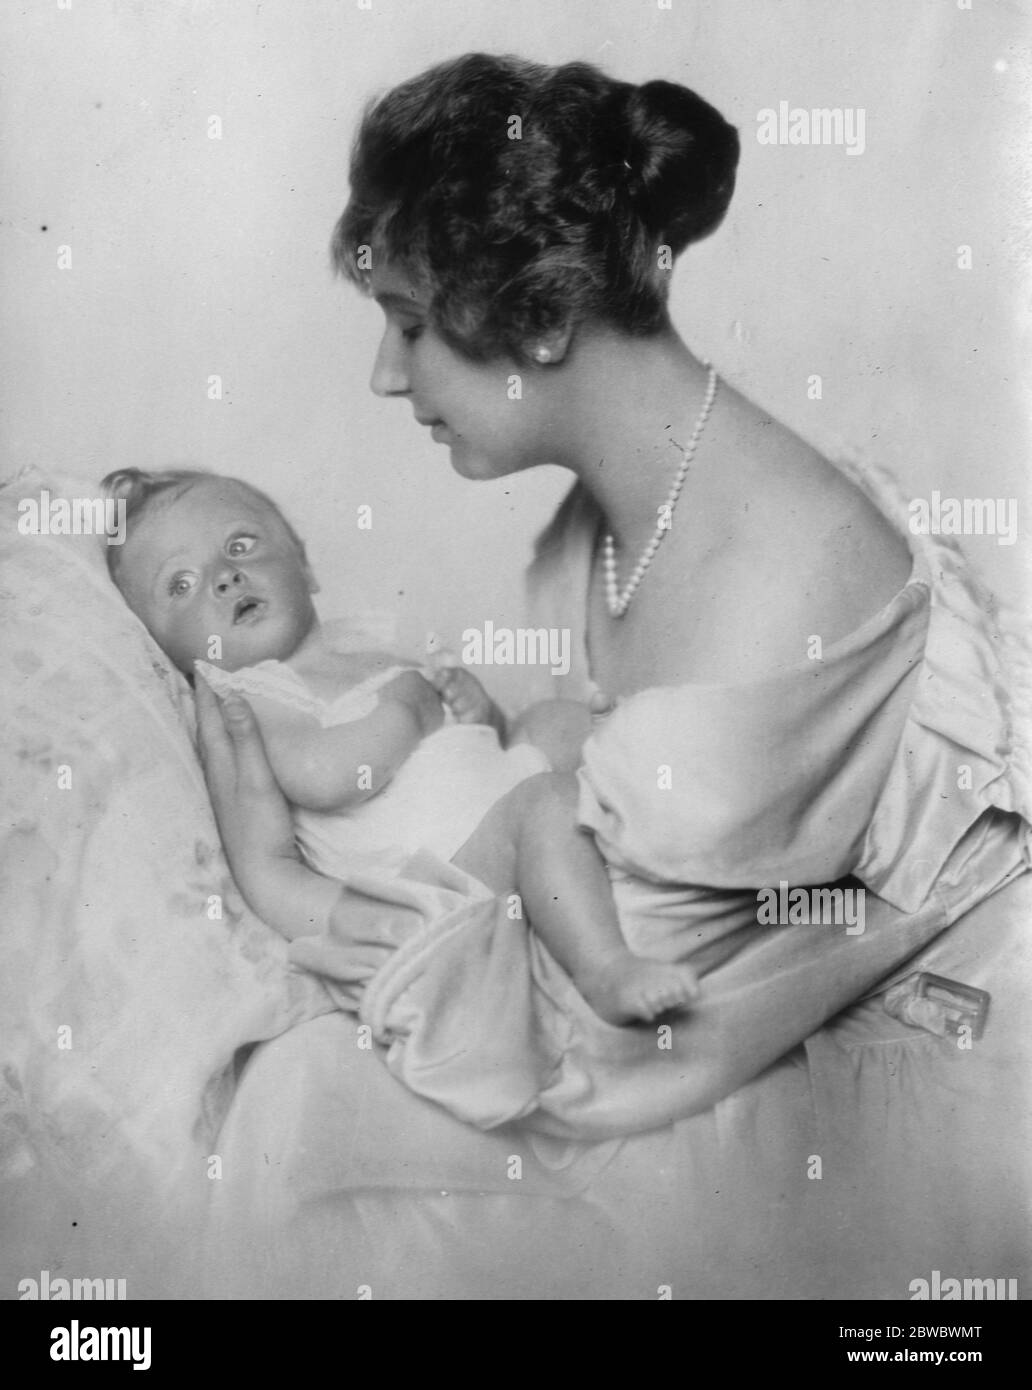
(231, 746)
(252, 814)
(254, 775)
(213, 739)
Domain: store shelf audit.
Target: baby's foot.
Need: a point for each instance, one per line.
(629, 989)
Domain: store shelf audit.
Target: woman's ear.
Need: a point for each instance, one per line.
(548, 349)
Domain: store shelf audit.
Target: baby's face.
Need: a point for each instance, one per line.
(214, 574)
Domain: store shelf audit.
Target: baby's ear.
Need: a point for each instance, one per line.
(310, 579)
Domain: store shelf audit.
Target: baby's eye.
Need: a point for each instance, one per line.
(411, 334)
(180, 584)
(241, 545)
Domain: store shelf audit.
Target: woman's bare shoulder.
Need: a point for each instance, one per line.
(811, 555)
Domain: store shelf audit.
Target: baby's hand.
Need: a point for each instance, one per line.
(411, 688)
(467, 699)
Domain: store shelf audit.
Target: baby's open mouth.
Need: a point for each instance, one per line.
(248, 608)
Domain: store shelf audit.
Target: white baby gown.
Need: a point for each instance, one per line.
(435, 800)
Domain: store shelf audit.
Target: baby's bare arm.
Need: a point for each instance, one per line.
(331, 769)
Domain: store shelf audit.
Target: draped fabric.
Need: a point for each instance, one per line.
(840, 771)
(802, 1142)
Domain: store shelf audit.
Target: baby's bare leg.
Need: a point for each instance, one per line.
(530, 842)
(558, 728)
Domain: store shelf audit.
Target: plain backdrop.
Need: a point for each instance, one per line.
(193, 256)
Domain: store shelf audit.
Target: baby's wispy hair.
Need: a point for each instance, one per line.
(141, 490)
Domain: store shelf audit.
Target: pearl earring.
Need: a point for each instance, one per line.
(542, 353)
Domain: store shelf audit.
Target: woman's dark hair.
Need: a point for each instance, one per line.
(528, 198)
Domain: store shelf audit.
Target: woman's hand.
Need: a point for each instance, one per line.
(254, 820)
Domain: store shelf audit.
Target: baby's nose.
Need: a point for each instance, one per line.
(228, 579)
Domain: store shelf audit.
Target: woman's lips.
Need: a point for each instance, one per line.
(436, 427)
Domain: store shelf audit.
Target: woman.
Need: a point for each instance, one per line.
(788, 708)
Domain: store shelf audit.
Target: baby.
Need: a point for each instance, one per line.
(377, 758)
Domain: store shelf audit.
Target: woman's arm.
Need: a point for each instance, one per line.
(781, 987)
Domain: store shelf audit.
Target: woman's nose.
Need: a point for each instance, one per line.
(389, 376)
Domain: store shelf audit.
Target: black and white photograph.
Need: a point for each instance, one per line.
(517, 673)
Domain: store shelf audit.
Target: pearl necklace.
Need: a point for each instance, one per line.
(618, 603)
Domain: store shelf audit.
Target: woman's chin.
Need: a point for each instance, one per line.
(475, 466)
(467, 467)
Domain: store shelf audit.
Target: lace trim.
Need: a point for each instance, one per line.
(272, 680)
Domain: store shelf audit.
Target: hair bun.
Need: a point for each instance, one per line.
(682, 157)
(559, 228)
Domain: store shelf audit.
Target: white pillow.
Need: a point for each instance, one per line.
(124, 995)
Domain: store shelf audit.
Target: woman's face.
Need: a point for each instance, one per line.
(494, 417)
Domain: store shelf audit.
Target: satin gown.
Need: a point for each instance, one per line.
(477, 1132)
